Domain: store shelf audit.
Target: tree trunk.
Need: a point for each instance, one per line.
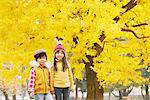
(82, 95)
(14, 97)
(6, 96)
(109, 95)
(147, 93)
(145, 88)
(77, 82)
(93, 90)
(120, 94)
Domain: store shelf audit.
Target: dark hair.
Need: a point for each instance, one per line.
(64, 61)
(40, 55)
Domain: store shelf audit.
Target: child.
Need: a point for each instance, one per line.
(39, 80)
(61, 75)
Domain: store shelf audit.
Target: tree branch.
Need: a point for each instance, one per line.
(98, 48)
(129, 90)
(115, 94)
(131, 4)
(128, 30)
(102, 36)
(138, 25)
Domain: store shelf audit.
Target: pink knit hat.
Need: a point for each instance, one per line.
(59, 46)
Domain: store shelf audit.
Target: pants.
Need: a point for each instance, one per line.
(46, 96)
(59, 92)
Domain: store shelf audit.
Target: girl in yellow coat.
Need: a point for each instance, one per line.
(61, 74)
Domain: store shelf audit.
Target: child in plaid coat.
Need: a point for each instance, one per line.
(39, 80)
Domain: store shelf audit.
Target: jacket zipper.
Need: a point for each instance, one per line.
(44, 81)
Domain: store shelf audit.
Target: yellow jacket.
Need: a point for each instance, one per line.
(42, 80)
(61, 79)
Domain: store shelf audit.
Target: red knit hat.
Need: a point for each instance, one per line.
(59, 46)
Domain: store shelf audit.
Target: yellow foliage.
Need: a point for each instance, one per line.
(28, 25)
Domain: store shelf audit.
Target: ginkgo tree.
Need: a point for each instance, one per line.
(8, 80)
(109, 38)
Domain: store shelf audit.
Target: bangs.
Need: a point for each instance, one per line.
(40, 56)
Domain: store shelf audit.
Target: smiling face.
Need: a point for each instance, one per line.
(59, 54)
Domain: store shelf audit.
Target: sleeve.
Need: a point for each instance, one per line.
(52, 79)
(71, 79)
(31, 83)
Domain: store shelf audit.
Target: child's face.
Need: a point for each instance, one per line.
(42, 60)
(59, 54)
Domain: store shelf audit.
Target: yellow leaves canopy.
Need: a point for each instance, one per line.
(28, 25)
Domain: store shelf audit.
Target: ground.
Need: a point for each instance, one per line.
(134, 95)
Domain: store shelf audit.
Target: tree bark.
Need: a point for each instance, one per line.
(120, 94)
(14, 97)
(93, 89)
(77, 82)
(94, 92)
(6, 95)
(147, 93)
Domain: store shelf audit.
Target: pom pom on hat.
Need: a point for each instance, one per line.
(59, 46)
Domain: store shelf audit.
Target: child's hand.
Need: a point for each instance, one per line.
(31, 95)
(52, 92)
(72, 90)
